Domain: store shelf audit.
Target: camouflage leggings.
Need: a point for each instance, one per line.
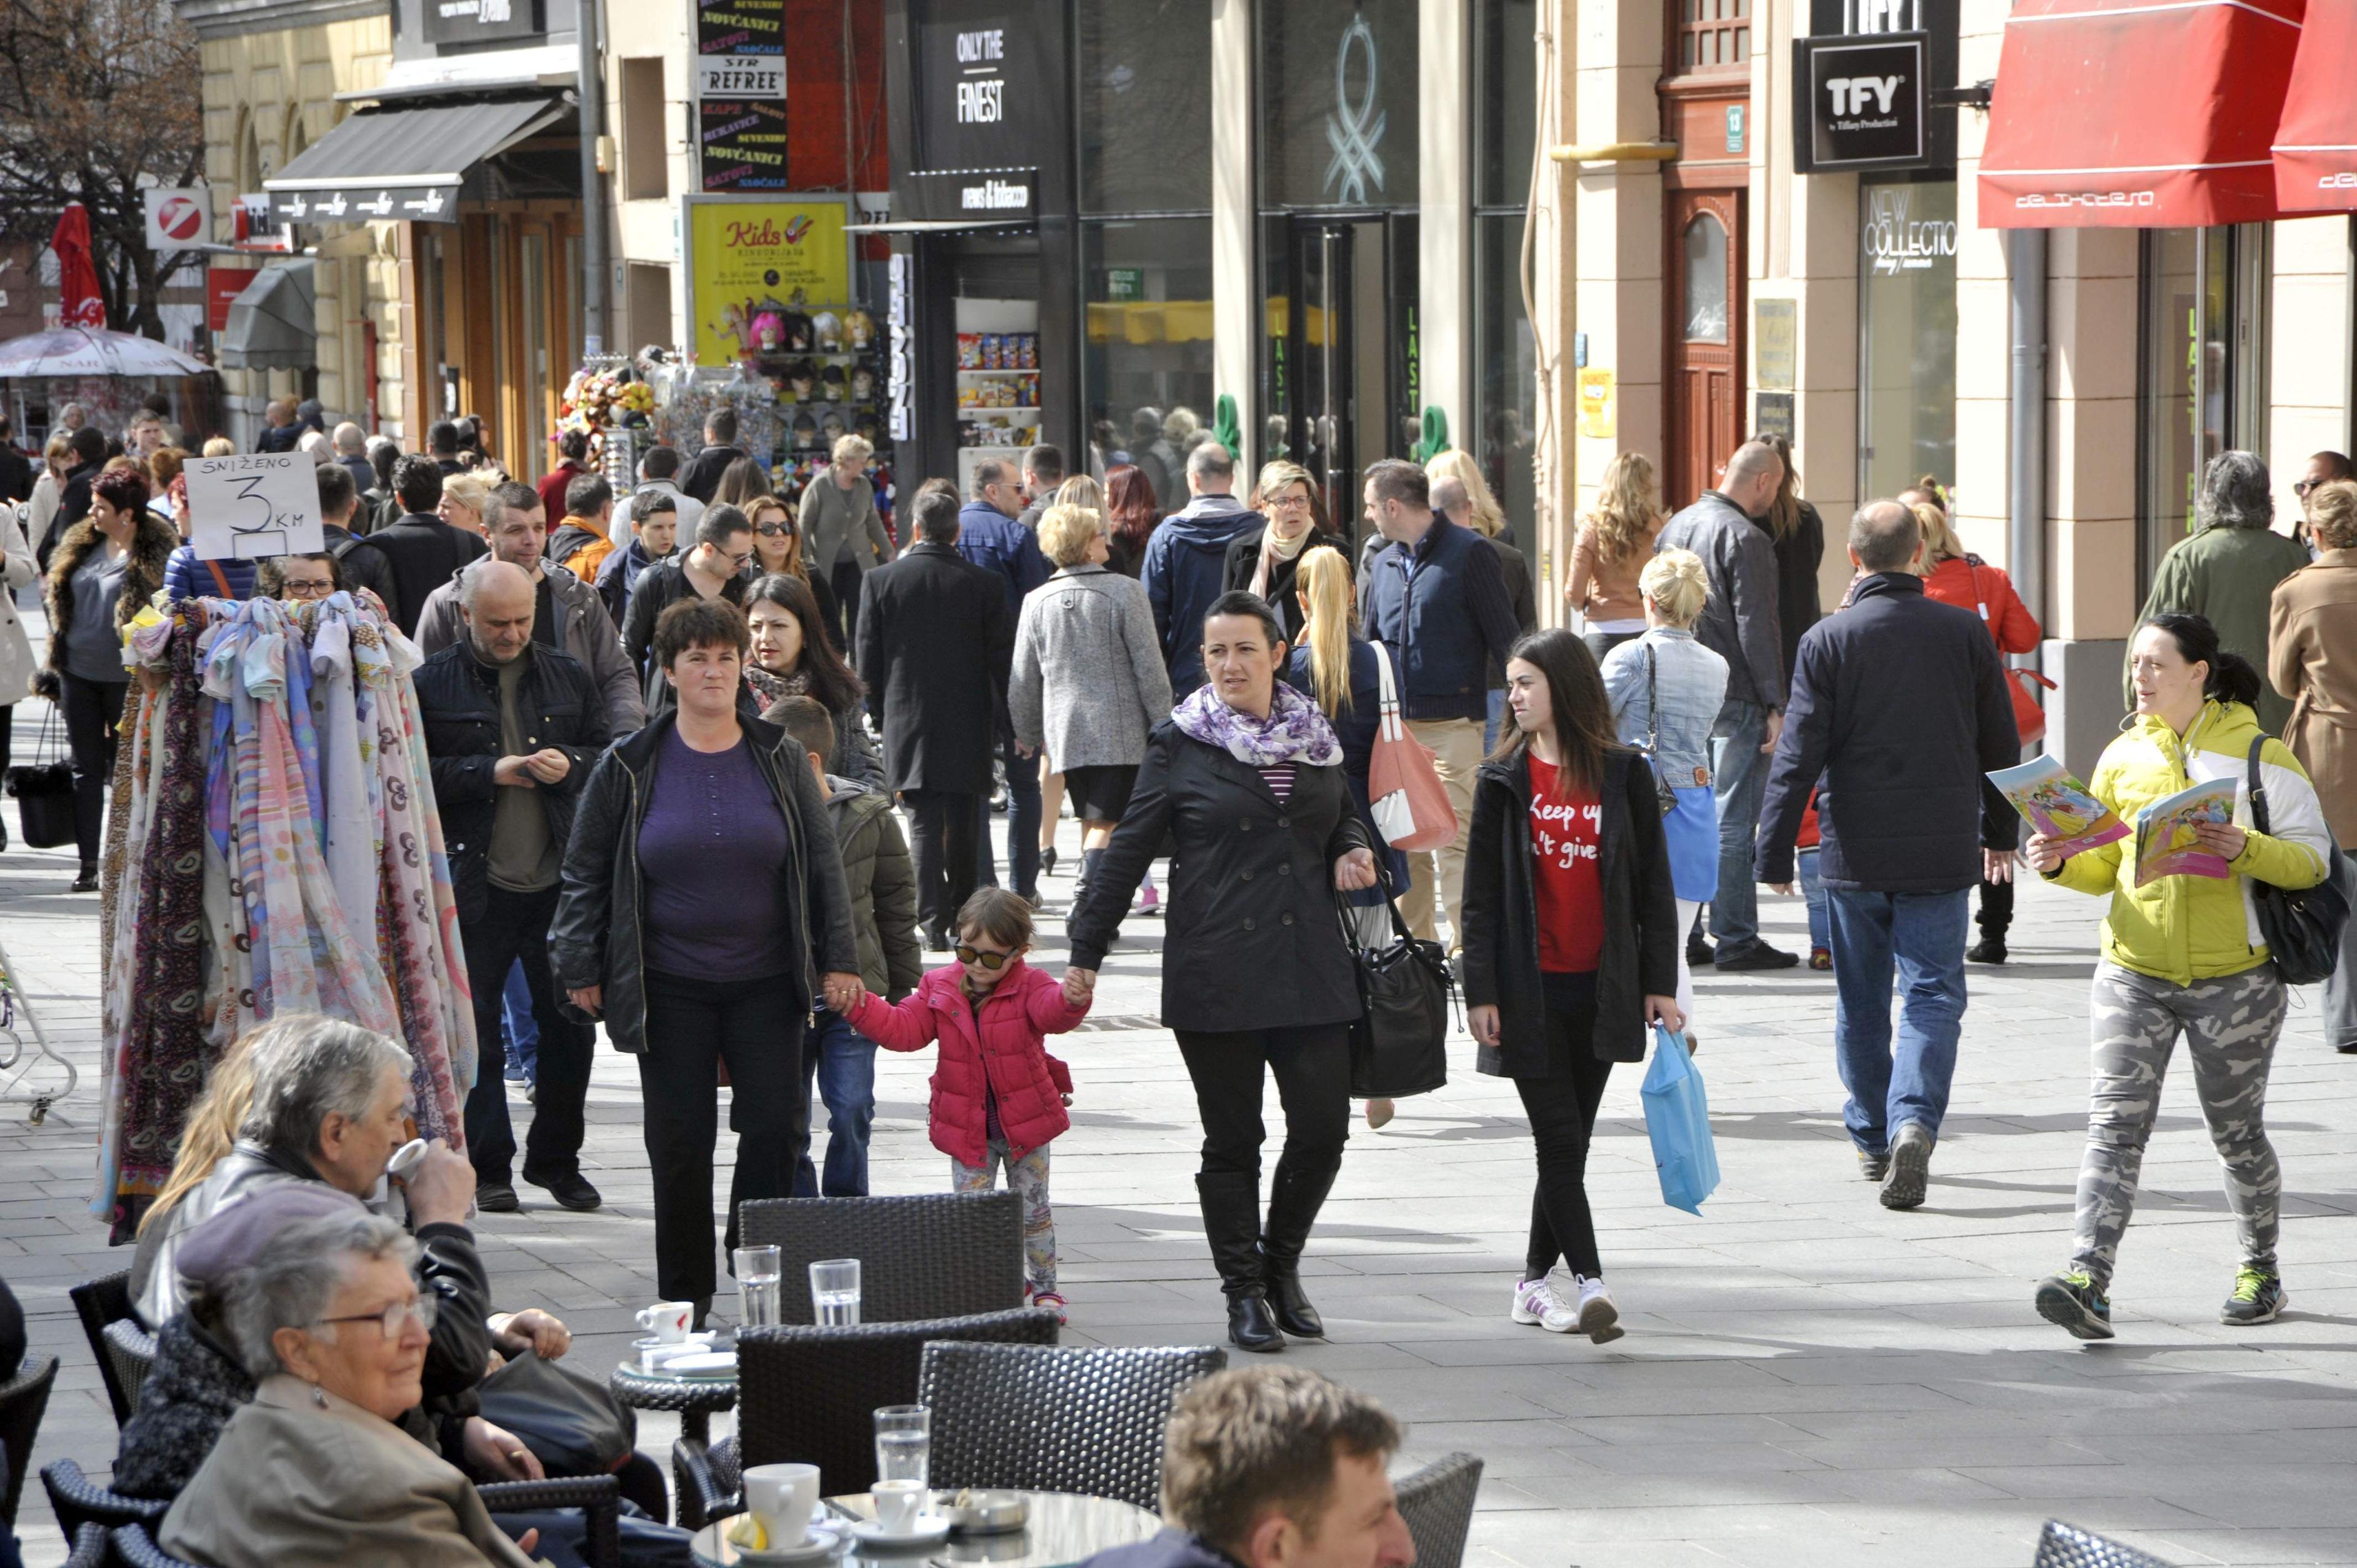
(2230, 1027)
(1028, 1177)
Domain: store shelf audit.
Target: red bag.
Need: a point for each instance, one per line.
(2028, 714)
(1410, 805)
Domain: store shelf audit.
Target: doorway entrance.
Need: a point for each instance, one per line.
(1342, 374)
(1705, 347)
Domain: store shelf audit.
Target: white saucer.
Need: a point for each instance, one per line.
(819, 1543)
(932, 1529)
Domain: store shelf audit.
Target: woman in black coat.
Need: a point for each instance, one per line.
(1571, 944)
(1264, 560)
(1245, 779)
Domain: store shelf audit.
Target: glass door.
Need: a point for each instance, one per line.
(1349, 388)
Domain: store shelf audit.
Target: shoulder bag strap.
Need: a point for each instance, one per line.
(1653, 709)
(2258, 788)
(221, 579)
(1387, 706)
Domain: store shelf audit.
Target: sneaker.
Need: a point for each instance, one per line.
(515, 1073)
(1986, 951)
(1052, 1301)
(2070, 1301)
(1910, 1167)
(1874, 1168)
(1698, 953)
(1535, 1303)
(496, 1198)
(1599, 1319)
(1759, 955)
(1149, 902)
(1820, 958)
(2258, 1296)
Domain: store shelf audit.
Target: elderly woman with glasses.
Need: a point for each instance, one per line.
(298, 579)
(1263, 561)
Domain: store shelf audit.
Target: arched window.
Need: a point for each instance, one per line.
(1705, 301)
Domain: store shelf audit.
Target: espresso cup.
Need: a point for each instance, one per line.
(667, 1320)
(783, 1498)
(898, 1503)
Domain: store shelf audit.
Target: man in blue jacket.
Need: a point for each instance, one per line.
(1898, 706)
(990, 537)
(1186, 561)
(1436, 598)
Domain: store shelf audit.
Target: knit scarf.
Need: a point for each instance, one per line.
(1295, 731)
(771, 689)
(1272, 550)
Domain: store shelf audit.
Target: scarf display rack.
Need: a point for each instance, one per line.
(274, 848)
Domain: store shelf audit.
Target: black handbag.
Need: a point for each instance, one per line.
(43, 794)
(1664, 796)
(2302, 926)
(573, 1423)
(1399, 1043)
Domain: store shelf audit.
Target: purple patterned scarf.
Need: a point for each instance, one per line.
(1295, 731)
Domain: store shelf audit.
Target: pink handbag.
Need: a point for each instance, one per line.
(1410, 805)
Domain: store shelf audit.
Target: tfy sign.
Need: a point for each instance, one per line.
(1865, 104)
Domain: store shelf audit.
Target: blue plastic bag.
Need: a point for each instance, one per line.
(1678, 1118)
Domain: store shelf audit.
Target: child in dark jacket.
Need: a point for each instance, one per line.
(998, 1096)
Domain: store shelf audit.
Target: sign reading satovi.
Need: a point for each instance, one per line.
(253, 505)
(751, 257)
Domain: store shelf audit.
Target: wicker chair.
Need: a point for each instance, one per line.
(22, 1400)
(1052, 1419)
(130, 1350)
(135, 1548)
(810, 1395)
(601, 1497)
(1437, 1503)
(89, 1547)
(78, 1500)
(98, 1302)
(931, 1255)
(2064, 1545)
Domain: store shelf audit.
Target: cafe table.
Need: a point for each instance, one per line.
(695, 1399)
(1061, 1529)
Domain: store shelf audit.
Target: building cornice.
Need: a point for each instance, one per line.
(231, 18)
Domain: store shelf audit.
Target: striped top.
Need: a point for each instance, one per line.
(1279, 779)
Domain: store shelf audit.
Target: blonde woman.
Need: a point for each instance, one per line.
(841, 530)
(1798, 536)
(1666, 689)
(1082, 491)
(1612, 548)
(464, 496)
(1489, 517)
(1263, 561)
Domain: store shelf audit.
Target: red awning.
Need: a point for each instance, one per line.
(2137, 113)
(2316, 145)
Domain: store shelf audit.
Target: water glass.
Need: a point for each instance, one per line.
(904, 1444)
(759, 1269)
(834, 1292)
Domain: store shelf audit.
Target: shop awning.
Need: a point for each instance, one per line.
(942, 226)
(2136, 113)
(400, 163)
(274, 321)
(2316, 142)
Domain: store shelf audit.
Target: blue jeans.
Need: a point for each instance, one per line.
(523, 1033)
(1814, 891)
(1918, 939)
(1489, 727)
(842, 1061)
(1740, 778)
(1022, 825)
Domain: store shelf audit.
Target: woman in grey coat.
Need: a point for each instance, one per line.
(1089, 683)
(842, 535)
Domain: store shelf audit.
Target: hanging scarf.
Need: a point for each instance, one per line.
(1273, 549)
(1295, 731)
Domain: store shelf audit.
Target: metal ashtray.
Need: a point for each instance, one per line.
(972, 1512)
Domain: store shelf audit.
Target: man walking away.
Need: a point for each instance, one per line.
(573, 455)
(936, 641)
(425, 552)
(351, 450)
(363, 566)
(990, 536)
(1436, 597)
(659, 470)
(1043, 471)
(512, 729)
(442, 445)
(583, 541)
(702, 478)
(1898, 706)
(1450, 500)
(1738, 624)
(1186, 561)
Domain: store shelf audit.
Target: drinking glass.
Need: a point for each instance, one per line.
(759, 1269)
(904, 1444)
(834, 1292)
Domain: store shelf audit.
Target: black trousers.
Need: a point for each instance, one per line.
(514, 927)
(1313, 1082)
(942, 846)
(845, 581)
(693, 1025)
(1562, 1108)
(94, 710)
(1996, 917)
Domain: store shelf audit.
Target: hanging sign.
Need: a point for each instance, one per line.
(253, 505)
(741, 145)
(473, 21)
(901, 388)
(1864, 107)
(1595, 404)
(178, 216)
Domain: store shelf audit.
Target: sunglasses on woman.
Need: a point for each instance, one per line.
(992, 961)
(771, 530)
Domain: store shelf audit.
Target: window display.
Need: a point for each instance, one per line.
(997, 381)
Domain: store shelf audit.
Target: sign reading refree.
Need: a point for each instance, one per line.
(253, 505)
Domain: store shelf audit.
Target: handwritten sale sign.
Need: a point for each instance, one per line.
(253, 505)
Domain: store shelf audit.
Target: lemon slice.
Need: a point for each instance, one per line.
(746, 1531)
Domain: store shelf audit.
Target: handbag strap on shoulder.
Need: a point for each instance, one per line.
(1652, 707)
(2258, 788)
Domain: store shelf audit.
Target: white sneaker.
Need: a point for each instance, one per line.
(1597, 1318)
(1534, 1302)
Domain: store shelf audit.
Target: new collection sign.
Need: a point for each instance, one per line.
(1865, 104)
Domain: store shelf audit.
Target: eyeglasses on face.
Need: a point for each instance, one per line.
(309, 590)
(771, 530)
(992, 961)
(424, 1308)
(2301, 486)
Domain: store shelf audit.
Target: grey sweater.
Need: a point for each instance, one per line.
(1089, 681)
(840, 523)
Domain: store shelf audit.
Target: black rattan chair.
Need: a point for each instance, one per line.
(1050, 1419)
(78, 1500)
(137, 1548)
(23, 1398)
(935, 1254)
(2064, 1545)
(598, 1496)
(89, 1547)
(130, 1350)
(98, 1302)
(1437, 1503)
(707, 1481)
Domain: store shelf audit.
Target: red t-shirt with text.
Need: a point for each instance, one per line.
(1565, 841)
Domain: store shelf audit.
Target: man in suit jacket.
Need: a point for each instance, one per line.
(425, 552)
(922, 621)
(701, 478)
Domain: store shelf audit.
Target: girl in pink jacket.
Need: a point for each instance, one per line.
(998, 1096)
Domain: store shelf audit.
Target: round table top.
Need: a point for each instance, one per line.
(650, 1390)
(1064, 1528)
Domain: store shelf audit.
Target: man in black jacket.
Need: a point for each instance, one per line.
(16, 469)
(361, 563)
(1738, 624)
(701, 478)
(1899, 705)
(936, 642)
(511, 728)
(423, 550)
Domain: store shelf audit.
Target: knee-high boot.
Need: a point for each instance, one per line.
(1231, 1203)
(1292, 1204)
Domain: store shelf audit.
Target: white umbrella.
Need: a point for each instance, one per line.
(87, 351)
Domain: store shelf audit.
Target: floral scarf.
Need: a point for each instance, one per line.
(1295, 731)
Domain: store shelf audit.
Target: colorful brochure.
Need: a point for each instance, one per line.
(2165, 844)
(2056, 804)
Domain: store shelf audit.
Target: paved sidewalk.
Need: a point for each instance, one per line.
(1806, 1378)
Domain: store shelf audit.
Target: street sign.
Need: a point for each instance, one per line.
(1864, 102)
(223, 285)
(253, 505)
(178, 216)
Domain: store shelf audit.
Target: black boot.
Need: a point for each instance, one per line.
(1231, 1225)
(1090, 860)
(1292, 1204)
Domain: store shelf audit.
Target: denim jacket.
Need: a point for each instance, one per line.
(1690, 683)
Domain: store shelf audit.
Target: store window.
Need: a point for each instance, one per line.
(995, 289)
(1338, 92)
(1907, 334)
(1146, 106)
(2203, 372)
(1146, 356)
(1505, 356)
(1704, 304)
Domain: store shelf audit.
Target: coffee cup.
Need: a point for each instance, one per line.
(667, 1320)
(783, 1498)
(898, 1503)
